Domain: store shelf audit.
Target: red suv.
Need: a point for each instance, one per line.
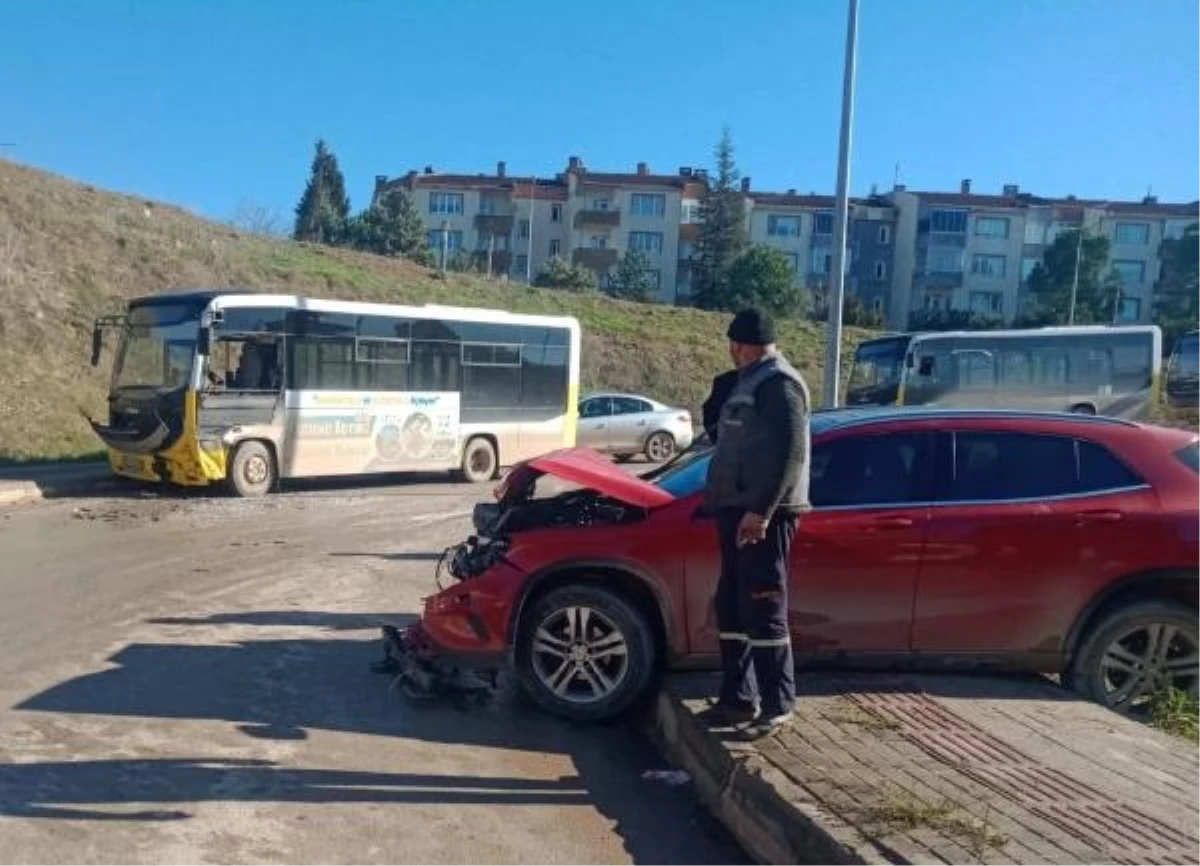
(1061, 544)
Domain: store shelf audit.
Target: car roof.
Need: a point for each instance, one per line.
(827, 420)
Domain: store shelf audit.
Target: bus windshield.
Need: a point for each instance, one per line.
(157, 347)
(876, 369)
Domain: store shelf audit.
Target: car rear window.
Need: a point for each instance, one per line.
(1187, 455)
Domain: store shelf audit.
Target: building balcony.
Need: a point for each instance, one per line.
(598, 259)
(501, 260)
(494, 224)
(941, 281)
(608, 218)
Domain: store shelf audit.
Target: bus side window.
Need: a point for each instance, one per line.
(1016, 369)
(925, 366)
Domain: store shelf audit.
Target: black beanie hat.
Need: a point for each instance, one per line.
(752, 327)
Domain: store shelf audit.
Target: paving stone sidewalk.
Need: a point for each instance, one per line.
(927, 769)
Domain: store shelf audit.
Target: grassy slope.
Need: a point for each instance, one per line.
(69, 252)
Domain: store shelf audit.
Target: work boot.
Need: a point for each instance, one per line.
(719, 715)
(764, 725)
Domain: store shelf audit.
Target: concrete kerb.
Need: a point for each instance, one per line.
(774, 819)
(23, 485)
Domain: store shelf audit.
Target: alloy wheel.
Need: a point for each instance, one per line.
(580, 654)
(1146, 660)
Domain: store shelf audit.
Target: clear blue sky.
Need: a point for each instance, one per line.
(208, 103)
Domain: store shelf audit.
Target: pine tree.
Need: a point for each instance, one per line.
(632, 280)
(391, 226)
(558, 273)
(723, 234)
(324, 208)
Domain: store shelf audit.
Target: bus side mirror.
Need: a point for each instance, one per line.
(97, 344)
(204, 345)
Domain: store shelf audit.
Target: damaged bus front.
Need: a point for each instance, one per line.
(152, 431)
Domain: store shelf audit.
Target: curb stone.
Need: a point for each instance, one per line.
(53, 481)
(774, 819)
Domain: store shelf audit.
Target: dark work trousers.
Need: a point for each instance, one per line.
(751, 603)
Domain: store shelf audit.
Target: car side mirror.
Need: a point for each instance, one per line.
(204, 345)
(97, 344)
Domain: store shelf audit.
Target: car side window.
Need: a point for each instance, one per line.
(1100, 470)
(991, 466)
(628, 406)
(864, 470)
(595, 408)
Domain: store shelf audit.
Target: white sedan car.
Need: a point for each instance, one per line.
(625, 425)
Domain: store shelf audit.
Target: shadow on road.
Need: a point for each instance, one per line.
(403, 556)
(280, 689)
(189, 780)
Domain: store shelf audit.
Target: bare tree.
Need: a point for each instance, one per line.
(258, 219)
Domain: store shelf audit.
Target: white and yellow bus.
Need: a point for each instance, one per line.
(247, 389)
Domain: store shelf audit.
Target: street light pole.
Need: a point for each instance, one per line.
(833, 346)
(1075, 279)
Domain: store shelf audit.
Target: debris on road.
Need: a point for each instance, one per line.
(669, 777)
(420, 675)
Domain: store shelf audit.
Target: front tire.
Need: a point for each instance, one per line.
(585, 654)
(1135, 652)
(252, 472)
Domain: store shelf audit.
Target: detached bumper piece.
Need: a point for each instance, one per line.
(421, 675)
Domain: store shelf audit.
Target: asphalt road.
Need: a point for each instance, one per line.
(186, 679)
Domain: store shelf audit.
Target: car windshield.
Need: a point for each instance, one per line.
(157, 347)
(687, 476)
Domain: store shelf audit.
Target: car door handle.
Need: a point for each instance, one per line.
(892, 522)
(1099, 515)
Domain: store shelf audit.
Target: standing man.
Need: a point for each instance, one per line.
(758, 486)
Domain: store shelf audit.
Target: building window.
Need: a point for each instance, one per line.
(946, 221)
(1035, 233)
(691, 212)
(794, 261)
(648, 204)
(823, 223)
(988, 303)
(598, 242)
(885, 234)
(822, 261)
(646, 242)
(600, 203)
(1028, 263)
(655, 276)
(453, 239)
(1131, 273)
(522, 264)
(523, 229)
(446, 202)
(991, 227)
(1129, 309)
(943, 260)
(1134, 234)
(555, 247)
(556, 213)
(783, 226)
(1173, 230)
(880, 271)
(993, 267)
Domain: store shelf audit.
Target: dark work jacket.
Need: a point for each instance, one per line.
(750, 459)
(722, 387)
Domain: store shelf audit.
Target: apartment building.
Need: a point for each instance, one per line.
(906, 251)
(975, 252)
(589, 218)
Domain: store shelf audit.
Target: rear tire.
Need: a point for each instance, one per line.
(1134, 651)
(479, 461)
(252, 472)
(584, 653)
(660, 447)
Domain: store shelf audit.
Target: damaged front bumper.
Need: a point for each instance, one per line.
(421, 673)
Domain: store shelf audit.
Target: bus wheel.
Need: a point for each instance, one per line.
(1083, 409)
(479, 461)
(252, 472)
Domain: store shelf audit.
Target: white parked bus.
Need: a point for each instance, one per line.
(248, 389)
(1105, 370)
